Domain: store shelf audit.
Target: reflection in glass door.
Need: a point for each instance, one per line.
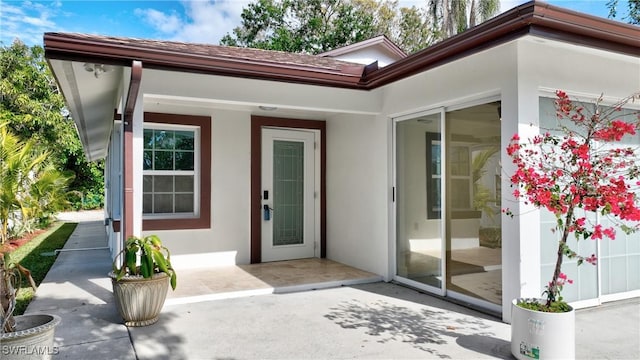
(474, 241)
(448, 185)
(419, 238)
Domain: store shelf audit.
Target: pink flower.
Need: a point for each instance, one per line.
(610, 233)
(597, 232)
(575, 171)
(591, 259)
(563, 276)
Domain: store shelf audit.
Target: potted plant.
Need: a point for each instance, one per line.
(24, 336)
(579, 169)
(141, 282)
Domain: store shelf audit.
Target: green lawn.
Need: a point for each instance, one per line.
(29, 256)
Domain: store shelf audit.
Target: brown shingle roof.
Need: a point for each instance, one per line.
(216, 59)
(229, 52)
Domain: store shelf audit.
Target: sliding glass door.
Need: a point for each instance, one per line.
(448, 185)
(420, 241)
(474, 234)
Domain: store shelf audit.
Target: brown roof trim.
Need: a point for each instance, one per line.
(210, 59)
(536, 18)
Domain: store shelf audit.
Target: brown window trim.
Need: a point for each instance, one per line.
(204, 220)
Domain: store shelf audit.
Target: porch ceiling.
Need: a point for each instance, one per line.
(91, 97)
(201, 106)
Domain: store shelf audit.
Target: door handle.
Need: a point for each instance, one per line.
(266, 212)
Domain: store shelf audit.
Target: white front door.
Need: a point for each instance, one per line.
(289, 201)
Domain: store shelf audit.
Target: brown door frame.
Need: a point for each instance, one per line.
(257, 123)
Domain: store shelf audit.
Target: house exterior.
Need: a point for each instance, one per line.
(236, 156)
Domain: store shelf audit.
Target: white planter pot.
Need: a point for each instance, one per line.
(33, 338)
(139, 301)
(542, 335)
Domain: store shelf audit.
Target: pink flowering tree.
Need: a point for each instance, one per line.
(582, 166)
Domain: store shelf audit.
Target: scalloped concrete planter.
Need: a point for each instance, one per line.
(542, 335)
(33, 338)
(139, 300)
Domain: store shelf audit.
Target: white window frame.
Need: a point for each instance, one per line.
(195, 172)
(468, 177)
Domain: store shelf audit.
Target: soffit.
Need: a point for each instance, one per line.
(91, 100)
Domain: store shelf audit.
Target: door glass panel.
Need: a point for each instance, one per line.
(288, 197)
(474, 241)
(419, 198)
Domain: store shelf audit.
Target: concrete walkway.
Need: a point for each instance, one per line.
(369, 321)
(78, 290)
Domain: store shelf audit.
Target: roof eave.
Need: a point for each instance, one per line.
(534, 18)
(58, 46)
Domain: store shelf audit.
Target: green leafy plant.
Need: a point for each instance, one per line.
(144, 256)
(10, 278)
(34, 110)
(31, 188)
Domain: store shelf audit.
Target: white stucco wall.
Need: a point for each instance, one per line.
(208, 91)
(583, 71)
(230, 102)
(229, 236)
(357, 192)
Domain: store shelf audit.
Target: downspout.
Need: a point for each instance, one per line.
(127, 151)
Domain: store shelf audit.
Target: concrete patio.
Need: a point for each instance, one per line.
(372, 320)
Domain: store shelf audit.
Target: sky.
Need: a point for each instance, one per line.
(199, 21)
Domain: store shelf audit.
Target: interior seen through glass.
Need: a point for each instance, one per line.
(466, 241)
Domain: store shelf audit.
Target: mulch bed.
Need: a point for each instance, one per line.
(13, 244)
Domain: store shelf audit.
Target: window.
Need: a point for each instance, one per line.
(169, 170)
(434, 176)
(460, 166)
(176, 172)
(459, 162)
